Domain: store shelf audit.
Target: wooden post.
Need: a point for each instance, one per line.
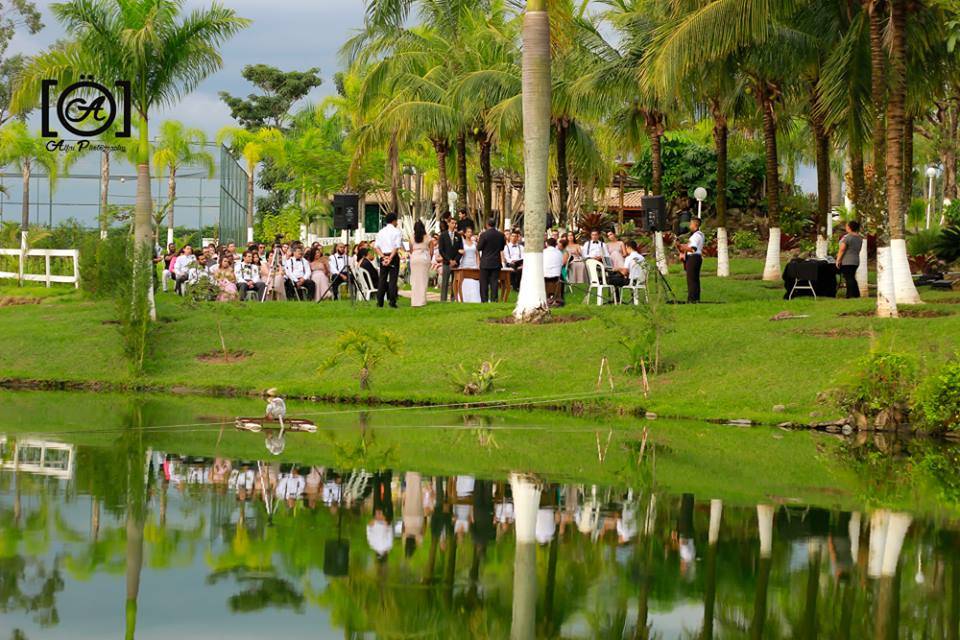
(46, 267)
(76, 269)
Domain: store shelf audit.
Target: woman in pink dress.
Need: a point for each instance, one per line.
(576, 273)
(319, 273)
(227, 281)
(419, 265)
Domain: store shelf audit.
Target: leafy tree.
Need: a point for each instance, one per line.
(15, 17)
(366, 347)
(176, 147)
(281, 89)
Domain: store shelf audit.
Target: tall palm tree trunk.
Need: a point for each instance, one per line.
(462, 170)
(771, 268)
(441, 148)
(858, 191)
(877, 83)
(134, 566)
(908, 128)
(394, 153)
(250, 191)
(532, 298)
(171, 198)
(143, 221)
(24, 218)
(904, 290)
(822, 144)
(562, 174)
(104, 192)
(487, 176)
(720, 135)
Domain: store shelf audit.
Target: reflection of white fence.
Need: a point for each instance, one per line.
(41, 457)
(46, 276)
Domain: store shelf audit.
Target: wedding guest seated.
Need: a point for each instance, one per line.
(319, 272)
(248, 277)
(553, 259)
(227, 281)
(632, 267)
(184, 266)
(298, 276)
(339, 269)
(168, 259)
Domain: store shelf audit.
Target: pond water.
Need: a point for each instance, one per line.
(156, 519)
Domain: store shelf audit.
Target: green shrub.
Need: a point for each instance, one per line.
(948, 245)
(952, 213)
(105, 265)
(745, 240)
(476, 380)
(923, 242)
(917, 213)
(939, 405)
(880, 393)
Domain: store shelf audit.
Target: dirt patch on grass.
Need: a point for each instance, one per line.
(14, 301)
(903, 312)
(548, 320)
(837, 332)
(945, 301)
(747, 276)
(219, 356)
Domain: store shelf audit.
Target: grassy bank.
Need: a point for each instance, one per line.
(725, 359)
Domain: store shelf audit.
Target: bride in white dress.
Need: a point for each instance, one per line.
(471, 287)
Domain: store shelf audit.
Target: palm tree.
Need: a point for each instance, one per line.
(532, 297)
(366, 348)
(254, 146)
(107, 140)
(162, 52)
(179, 146)
(24, 149)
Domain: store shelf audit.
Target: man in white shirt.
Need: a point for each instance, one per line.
(388, 243)
(339, 269)
(693, 260)
(552, 270)
(633, 267)
(298, 276)
(595, 247)
(185, 263)
(248, 277)
(513, 258)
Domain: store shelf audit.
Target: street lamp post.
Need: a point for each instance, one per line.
(931, 174)
(700, 194)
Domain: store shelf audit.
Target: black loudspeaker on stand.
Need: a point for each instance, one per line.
(654, 213)
(346, 211)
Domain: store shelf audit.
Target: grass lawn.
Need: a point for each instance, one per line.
(725, 358)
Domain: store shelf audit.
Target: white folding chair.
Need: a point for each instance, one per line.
(598, 282)
(365, 288)
(637, 284)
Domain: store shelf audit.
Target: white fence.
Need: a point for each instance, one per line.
(46, 276)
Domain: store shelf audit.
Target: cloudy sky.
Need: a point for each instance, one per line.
(289, 34)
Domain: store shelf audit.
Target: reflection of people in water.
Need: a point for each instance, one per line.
(412, 512)
(547, 516)
(380, 528)
(244, 483)
(684, 537)
(290, 487)
(463, 506)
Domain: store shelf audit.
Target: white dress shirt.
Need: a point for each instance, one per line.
(183, 264)
(246, 272)
(635, 265)
(297, 268)
(389, 239)
(337, 263)
(696, 242)
(513, 253)
(552, 262)
(595, 249)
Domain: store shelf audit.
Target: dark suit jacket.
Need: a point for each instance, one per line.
(450, 250)
(490, 243)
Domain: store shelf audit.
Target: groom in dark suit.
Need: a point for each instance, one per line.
(490, 245)
(450, 246)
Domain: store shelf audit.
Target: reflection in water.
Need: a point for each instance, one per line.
(400, 552)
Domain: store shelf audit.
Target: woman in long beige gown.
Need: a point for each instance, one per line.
(419, 265)
(319, 273)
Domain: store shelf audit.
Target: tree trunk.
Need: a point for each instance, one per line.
(950, 151)
(250, 191)
(171, 201)
(143, 220)
(907, 162)
(904, 289)
(858, 182)
(461, 170)
(24, 219)
(532, 297)
(822, 143)
(765, 528)
(487, 176)
(771, 269)
(134, 561)
(720, 134)
(655, 131)
(877, 84)
(562, 176)
(441, 148)
(394, 159)
(104, 193)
